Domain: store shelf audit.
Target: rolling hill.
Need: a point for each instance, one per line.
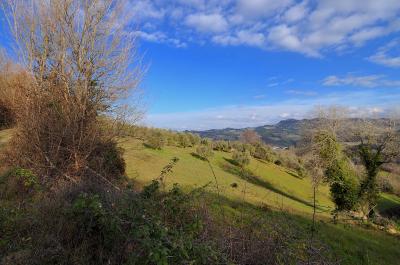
(283, 134)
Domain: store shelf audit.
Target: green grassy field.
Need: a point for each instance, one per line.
(388, 201)
(274, 186)
(348, 244)
(270, 185)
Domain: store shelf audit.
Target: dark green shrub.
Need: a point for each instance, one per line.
(343, 187)
(89, 225)
(19, 184)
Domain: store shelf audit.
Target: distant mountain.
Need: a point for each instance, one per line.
(283, 134)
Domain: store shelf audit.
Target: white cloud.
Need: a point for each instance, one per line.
(160, 37)
(228, 116)
(296, 12)
(259, 8)
(286, 37)
(207, 22)
(360, 81)
(152, 37)
(360, 37)
(192, 3)
(309, 27)
(242, 37)
(360, 103)
(383, 56)
(339, 24)
(144, 10)
(302, 92)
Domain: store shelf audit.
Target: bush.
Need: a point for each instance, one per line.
(206, 141)
(221, 146)
(107, 160)
(241, 158)
(343, 187)
(103, 227)
(234, 185)
(156, 140)
(301, 172)
(204, 151)
(194, 139)
(183, 140)
(262, 152)
(18, 184)
(289, 159)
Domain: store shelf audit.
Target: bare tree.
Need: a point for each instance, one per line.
(81, 42)
(81, 62)
(250, 137)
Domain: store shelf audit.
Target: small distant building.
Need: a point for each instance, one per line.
(280, 148)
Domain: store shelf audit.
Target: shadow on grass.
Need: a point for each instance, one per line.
(150, 147)
(339, 239)
(293, 174)
(198, 157)
(388, 207)
(248, 176)
(231, 161)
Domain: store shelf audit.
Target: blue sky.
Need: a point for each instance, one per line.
(240, 63)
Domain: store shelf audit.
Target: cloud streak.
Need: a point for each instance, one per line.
(235, 116)
(384, 57)
(309, 27)
(368, 81)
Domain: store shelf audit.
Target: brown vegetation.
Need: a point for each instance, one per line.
(78, 69)
(250, 137)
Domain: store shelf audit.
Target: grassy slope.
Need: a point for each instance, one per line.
(276, 187)
(352, 244)
(388, 201)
